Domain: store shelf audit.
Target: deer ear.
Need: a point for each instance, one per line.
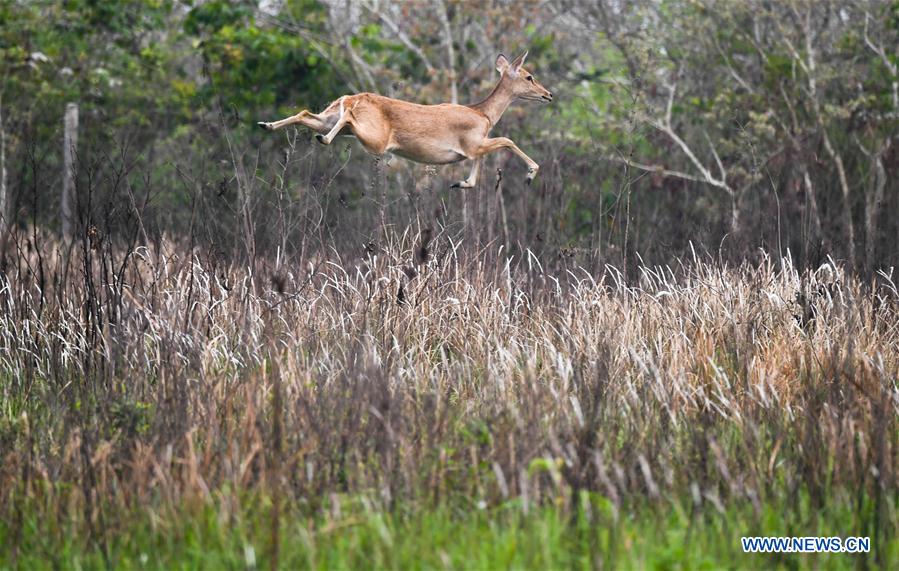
(519, 61)
(501, 63)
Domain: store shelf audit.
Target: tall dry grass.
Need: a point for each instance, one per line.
(427, 374)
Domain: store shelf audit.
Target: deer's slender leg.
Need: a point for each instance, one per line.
(472, 180)
(345, 117)
(490, 145)
(318, 123)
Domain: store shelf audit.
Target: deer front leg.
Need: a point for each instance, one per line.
(490, 145)
(306, 118)
(472, 180)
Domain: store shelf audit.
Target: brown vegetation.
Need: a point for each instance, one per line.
(441, 377)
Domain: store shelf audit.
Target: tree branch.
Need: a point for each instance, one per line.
(655, 169)
(400, 34)
(891, 67)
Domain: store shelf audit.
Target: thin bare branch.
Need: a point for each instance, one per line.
(399, 33)
(655, 169)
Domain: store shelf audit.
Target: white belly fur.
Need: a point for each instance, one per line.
(428, 154)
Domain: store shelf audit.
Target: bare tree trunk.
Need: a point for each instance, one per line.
(502, 205)
(450, 52)
(844, 185)
(735, 214)
(70, 144)
(813, 207)
(4, 192)
(873, 204)
(810, 68)
(466, 222)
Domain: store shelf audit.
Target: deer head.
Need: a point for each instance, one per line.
(523, 83)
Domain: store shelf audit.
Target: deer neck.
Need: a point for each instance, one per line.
(497, 102)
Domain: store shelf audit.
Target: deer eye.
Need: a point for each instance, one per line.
(530, 78)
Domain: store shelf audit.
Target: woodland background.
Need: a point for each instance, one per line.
(728, 127)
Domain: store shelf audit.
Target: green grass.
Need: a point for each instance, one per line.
(209, 535)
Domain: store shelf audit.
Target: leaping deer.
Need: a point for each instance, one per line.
(430, 134)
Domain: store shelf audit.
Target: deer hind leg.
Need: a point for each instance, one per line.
(368, 125)
(318, 123)
(490, 145)
(346, 120)
(326, 138)
(472, 180)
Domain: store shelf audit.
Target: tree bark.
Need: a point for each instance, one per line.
(450, 52)
(873, 205)
(813, 207)
(811, 71)
(70, 145)
(4, 191)
(844, 185)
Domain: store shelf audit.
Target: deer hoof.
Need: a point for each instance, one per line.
(263, 125)
(532, 173)
(462, 184)
(321, 139)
